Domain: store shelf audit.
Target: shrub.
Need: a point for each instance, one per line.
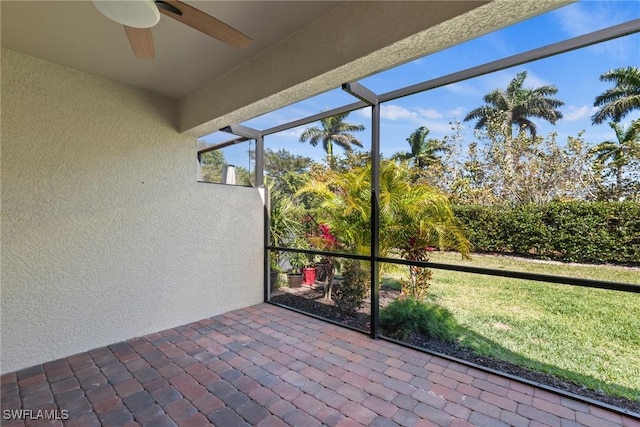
(405, 316)
(350, 294)
(594, 232)
(418, 284)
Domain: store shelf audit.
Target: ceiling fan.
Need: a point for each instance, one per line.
(138, 16)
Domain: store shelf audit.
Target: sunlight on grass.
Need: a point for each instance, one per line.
(590, 336)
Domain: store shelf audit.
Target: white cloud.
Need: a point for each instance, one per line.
(391, 112)
(462, 88)
(365, 112)
(456, 112)
(292, 133)
(438, 128)
(587, 16)
(429, 113)
(395, 112)
(437, 122)
(576, 21)
(574, 113)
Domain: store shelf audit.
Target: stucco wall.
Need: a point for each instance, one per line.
(106, 235)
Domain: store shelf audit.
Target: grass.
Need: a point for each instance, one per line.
(589, 336)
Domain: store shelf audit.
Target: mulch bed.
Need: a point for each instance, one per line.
(310, 300)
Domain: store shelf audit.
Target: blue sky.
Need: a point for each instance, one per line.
(576, 74)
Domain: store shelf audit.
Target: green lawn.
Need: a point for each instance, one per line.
(591, 336)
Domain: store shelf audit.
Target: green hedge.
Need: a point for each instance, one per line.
(591, 232)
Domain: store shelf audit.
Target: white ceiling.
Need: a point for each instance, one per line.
(76, 35)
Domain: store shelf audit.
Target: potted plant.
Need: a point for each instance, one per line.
(298, 261)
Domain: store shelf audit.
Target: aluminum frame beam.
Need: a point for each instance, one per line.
(241, 130)
(221, 145)
(568, 45)
(365, 95)
(585, 40)
(362, 93)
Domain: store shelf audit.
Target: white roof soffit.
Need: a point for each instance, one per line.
(365, 37)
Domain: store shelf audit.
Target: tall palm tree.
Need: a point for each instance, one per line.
(618, 154)
(424, 152)
(618, 101)
(517, 105)
(333, 130)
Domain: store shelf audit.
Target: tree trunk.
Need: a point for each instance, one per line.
(328, 283)
(618, 182)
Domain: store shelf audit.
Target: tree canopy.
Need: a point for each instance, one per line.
(616, 102)
(424, 152)
(517, 105)
(613, 157)
(333, 130)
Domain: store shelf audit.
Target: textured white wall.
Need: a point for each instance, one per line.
(106, 235)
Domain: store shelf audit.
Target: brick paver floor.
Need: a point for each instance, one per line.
(268, 366)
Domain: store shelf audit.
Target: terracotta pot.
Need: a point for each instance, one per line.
(295, 280)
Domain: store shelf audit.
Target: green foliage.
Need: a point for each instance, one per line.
(425, 153)
(417, 285)
(298, 260)
(619, 160)
(592, 232)
(407, 210)
(285, 222)
(618, 101)
(285, 172)
(405, 316)
(212, 163)
(285, 218)
(521, 169)
(350, 295)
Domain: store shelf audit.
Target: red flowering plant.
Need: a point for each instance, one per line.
(417, 286)
(328, 240)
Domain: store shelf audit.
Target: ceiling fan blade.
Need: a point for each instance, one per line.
(141, 41)
(202, 22)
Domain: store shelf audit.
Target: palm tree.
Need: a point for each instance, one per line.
(517, 105)
(333, 130)
(407, 211)
(618, 154)
(424, 152)
(617, 102)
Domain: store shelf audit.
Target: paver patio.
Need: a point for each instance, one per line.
(268, 366)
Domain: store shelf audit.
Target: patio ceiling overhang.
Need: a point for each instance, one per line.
(372, 36)
(299, 49)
